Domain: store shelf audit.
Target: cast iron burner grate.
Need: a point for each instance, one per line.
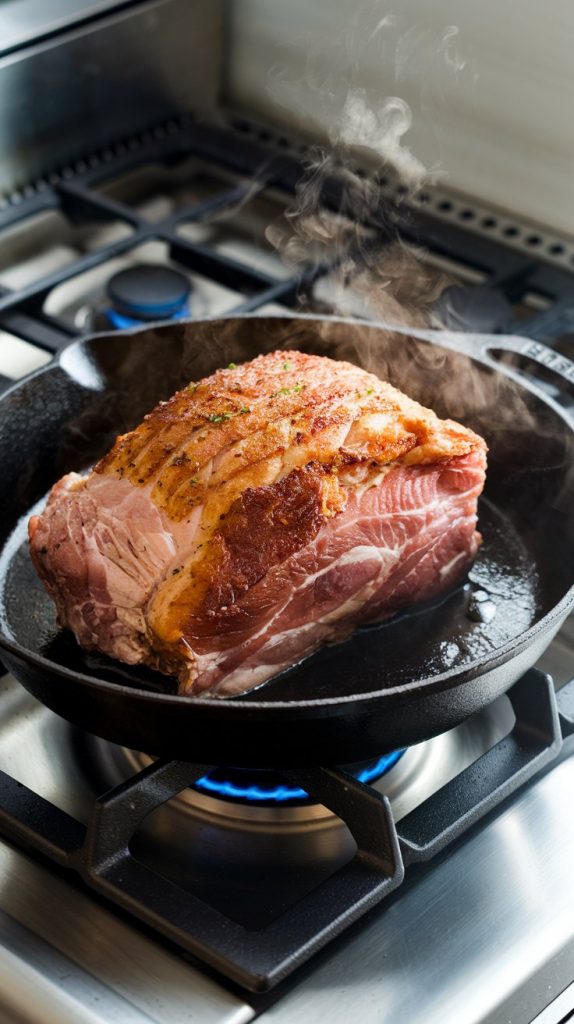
(259, 958)
(508, 275)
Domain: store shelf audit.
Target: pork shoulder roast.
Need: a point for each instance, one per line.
(259, 513)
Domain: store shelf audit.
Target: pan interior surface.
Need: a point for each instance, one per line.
(500, 601)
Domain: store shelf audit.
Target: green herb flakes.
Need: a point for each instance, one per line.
(289, 391)
(219, 417)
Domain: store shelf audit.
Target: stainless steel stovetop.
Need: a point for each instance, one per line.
(482, 934)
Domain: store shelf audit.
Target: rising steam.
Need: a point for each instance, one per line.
(341, 220)
(381, 132)
(341, 225)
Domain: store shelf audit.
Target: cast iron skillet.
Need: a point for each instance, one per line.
(388, 686)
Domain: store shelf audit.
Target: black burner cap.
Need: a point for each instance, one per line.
(148, 292)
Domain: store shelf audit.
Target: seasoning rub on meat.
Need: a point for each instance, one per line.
(256, 515)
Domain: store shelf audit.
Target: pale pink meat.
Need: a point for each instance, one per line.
(244, 524)
(395, 545)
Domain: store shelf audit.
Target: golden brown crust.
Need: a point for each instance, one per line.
(293, 408)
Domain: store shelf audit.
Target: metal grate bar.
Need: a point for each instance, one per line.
(509, 272)
(47, 333)
(286, 292)
(259, 958)
(80, 203)
(217, 266)
(33, 294)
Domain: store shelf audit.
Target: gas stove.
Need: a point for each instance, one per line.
(432, 884)
(478, 813)
(255, 848)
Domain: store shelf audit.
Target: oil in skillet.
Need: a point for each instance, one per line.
(481, 607)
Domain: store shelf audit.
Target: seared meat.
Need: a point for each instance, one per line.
(257, 514)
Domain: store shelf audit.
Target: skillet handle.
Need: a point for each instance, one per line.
(535, 350)
(481, 347)
(527, 348)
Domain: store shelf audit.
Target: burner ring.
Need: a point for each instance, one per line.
(268, 788)
(147, 292)
(116, 764)
(418, 773)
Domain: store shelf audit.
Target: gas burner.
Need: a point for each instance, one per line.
(238, 798)
(267, 787)
(224, 847)
(254, 889)
(145, 293)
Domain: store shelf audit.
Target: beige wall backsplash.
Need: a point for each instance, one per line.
(489, 84)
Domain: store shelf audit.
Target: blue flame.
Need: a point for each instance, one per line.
(282, 794)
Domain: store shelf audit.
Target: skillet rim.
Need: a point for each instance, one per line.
(445, 681)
